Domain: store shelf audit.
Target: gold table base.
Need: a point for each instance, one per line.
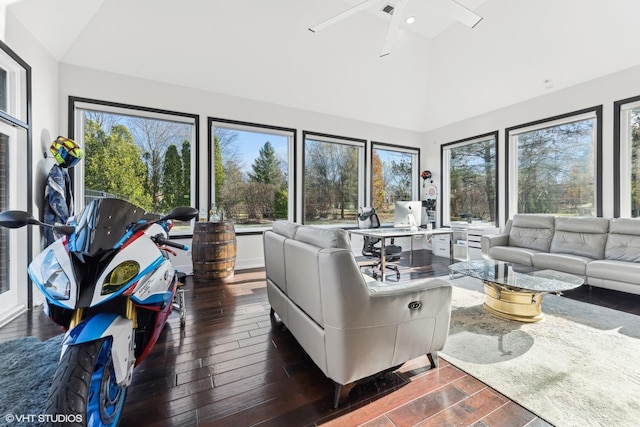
(520, 305)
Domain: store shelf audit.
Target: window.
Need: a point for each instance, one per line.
(394, 176)
(140, 155)
(469, 171)
(16, 182)
(252, 164)
(13, 86)
(626, 158)
(333, 179)
(554, 165)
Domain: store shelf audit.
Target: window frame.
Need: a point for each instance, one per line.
(19, 116)
(76, 127)
(415, 169)
(445, 178)
(511, 201)
(622, 156)
(18, 87)
(291, 133)
(363, 160)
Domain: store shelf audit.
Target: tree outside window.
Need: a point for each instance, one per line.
(144, 160)
(472, 180)
(394, 174)
(556, 169)
(332, 180)
(634, 132)
(251, 173)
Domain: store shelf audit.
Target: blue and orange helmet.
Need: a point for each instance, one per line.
(66, 151)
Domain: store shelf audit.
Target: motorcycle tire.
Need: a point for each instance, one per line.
(84, 387)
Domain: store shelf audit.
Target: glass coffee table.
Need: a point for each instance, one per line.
(515, 291)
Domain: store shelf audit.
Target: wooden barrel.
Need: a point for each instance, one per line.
(213, 250)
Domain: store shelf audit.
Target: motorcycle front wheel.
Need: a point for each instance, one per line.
(84, 391)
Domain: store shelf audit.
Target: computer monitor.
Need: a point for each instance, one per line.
(407, 214)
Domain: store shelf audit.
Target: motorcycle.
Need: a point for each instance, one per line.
(109, 283)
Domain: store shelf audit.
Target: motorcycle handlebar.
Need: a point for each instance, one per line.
(162, 241)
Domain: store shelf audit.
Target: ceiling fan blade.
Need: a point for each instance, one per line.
(347, 13)
(394, 26)
(458, 11)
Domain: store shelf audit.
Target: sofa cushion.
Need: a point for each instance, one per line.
(623, 243)
(285, 228)
(532, 231)
(580, 236)
(613, 270)
(569, 263)
(324, 237)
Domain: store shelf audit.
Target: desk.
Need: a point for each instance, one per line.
(387, 233)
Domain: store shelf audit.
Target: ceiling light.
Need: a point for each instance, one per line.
(410, 20)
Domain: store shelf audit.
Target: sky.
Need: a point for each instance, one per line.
(252, 142)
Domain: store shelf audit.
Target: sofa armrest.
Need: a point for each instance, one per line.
(381, 289)
(398, 322)
(389, 304)
(490, 240)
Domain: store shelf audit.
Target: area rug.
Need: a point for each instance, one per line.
(579, 366)
(27, 366)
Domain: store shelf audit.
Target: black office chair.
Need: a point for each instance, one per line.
(368, 218)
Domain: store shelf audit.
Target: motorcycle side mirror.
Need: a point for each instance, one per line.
(16, 219)
(66, 230)
(181, 213)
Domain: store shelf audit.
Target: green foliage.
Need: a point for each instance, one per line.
(185, 186)
(266, 167)
(280, 204)
(113, 164)
(171, 182)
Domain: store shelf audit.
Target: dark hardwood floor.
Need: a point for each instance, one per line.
(234, 365)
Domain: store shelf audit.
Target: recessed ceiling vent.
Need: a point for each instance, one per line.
(388, 9)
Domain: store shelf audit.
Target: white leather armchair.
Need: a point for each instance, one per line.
(351, 326)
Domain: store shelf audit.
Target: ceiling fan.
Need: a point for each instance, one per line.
(455, 9)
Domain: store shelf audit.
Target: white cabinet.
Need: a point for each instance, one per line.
(440, 245)
(459, 243)
(474, 240)
(467, 240)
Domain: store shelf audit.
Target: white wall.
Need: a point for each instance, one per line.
(99, 85)
(602, 91)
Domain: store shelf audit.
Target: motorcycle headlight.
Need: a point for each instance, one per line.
(120, 276)
(56, 283)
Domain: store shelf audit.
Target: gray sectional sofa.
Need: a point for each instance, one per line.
(351, 325)
(605, 252)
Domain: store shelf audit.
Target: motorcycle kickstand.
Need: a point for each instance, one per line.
(180, 306)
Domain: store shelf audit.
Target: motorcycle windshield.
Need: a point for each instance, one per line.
(103, 223)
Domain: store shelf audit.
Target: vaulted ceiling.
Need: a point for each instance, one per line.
(439, 70)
